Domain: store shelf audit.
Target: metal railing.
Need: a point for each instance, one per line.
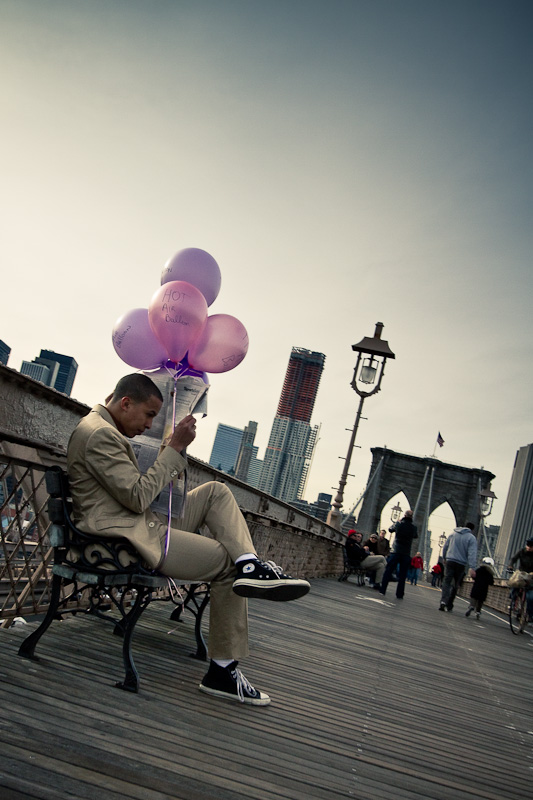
(25, 548)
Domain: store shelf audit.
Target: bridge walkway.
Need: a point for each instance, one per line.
(372, 698)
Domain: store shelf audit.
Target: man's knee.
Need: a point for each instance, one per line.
(214, 490)
(219, 491)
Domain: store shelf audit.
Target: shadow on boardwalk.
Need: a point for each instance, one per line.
(371, 699)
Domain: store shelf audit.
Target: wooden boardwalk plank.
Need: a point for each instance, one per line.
(372, 698)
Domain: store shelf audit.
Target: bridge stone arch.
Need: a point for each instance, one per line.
(426, 482)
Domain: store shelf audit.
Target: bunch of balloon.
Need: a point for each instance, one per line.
(175, 333)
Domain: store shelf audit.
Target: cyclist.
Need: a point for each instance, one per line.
(525, 563)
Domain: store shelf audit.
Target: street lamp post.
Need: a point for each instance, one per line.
(486, 500)
(442, 542)
(373, 353)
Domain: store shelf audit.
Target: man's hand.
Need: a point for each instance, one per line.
(184, 433)
(472, 573)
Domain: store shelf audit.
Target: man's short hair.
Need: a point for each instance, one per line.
(470, 525)
(138, 387)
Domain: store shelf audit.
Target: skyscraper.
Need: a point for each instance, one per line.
(292, 440)
(39, 372)
(244, 457)
(52, 369)
(68, 367)
(4, 353)
(226, 448)
(518, 511)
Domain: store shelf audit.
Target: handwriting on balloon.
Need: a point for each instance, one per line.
(174, 295)
(118, 338)
(179, 319)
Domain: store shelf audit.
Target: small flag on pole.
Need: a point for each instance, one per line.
(440, 440)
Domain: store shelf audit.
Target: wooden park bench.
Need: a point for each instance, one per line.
(109, 575)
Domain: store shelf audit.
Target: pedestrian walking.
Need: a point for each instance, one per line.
(459, 553)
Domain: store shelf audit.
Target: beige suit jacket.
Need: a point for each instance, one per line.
(109, 494)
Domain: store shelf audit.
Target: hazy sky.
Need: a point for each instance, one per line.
(345, 162)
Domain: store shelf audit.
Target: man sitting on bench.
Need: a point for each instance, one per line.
(112, 497)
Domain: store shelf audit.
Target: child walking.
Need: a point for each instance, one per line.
(484, 578)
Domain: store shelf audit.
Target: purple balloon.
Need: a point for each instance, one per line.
(221, 346)
(135, 342)
(196, 267)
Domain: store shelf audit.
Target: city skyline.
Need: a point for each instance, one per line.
(345, 162)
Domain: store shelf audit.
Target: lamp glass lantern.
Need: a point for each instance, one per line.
(396, 513)
(368, 371)
(486, 500)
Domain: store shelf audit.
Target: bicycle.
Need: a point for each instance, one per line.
(518, 617)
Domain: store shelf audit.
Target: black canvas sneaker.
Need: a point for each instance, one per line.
(229, 683)
(266, 581)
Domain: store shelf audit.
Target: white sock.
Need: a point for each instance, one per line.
(246, 557)
(223, 662)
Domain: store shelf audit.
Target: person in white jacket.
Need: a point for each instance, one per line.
(459, 553)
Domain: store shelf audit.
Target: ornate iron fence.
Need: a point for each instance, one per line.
(25, 547)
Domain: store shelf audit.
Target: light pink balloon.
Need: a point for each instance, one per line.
(177, 314)
(135, 342)
(197, 268)
(222, 345)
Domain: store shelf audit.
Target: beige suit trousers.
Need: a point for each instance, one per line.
(193, 558)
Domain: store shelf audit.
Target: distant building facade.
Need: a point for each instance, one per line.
(4, 353)
(246, 451)
(52, 369)
(487, 543)
(226, 448)
(319, 509)
(292, 440)
(517, 521)
(39, 372)
(254, 470)
(64, 380)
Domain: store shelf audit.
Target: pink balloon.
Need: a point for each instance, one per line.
(135, 342)
(197, 268)
(222, 345)
(177, 314)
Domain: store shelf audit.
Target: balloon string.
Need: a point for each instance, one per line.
(178, 370)
(167, 537)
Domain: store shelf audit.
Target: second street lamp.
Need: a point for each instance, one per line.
(373, 353)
